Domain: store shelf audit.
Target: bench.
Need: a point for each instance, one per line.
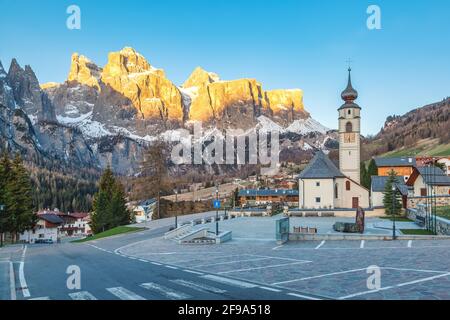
(305, 230)
(420, 220)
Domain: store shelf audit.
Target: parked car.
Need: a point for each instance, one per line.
(45, 241)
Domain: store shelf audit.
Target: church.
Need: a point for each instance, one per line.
(321, 184)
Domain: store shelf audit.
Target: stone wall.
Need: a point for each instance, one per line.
(413, 202)
(170, 209)
(442, 225)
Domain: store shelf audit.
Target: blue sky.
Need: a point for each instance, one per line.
(284, 44)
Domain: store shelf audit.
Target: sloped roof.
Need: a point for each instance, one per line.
(52, 218)
(320, 167)
(434, 176)
(379, 183)
(396, 162)
(267, 192)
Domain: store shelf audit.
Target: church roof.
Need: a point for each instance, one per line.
(320, 167)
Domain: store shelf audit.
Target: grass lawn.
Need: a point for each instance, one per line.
(443, 212)
(111, 232)
(418, 232)
(397, 218)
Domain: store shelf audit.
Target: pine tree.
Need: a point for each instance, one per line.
(109, 207)
(391, 200)
(365, 178)
(19, 199)
(5, 171)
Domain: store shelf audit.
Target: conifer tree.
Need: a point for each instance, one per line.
(109, 206)
(365, 178)
(5, 171)
(391, 199)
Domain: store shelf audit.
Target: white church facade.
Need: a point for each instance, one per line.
(321, 184)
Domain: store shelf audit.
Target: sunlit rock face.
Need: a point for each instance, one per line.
(286, 105)
(83, 71)
(238, 103)
(151, 93)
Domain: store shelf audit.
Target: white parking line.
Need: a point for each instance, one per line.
(277, 247)
(232, 282)
(165, 291)
(319, 276)
(124, 294)
(269, 289)
(228, 262)
(170, 267)
(394, 286)
(12, 282)
(23, 283)
(361, 246)
(265, 267)
(302, 296)
(82, 295)
(194, 272)
(409, 243)
(198, 286)
(320, 245)
(40, 298)
(156, 263)
(142, 260)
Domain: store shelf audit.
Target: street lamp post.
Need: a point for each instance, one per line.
(217, 212)
(394, 237)
(176, 214)
(2, 208)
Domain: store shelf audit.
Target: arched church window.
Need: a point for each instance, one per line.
(349, 112)
(347, 185)
(349, 127)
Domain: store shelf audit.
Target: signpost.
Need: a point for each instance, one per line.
(217, 207)
(2, 208)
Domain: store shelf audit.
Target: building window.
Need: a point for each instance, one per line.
(349, 127)
(318, 200)
(423, 192)
(317, 184)
(347, 185)
(336, 194)
(349, 111)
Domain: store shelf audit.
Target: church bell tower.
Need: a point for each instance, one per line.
(349, 133)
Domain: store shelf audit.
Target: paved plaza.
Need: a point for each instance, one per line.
(416, 269)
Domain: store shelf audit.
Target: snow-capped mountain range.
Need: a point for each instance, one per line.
(106, 116)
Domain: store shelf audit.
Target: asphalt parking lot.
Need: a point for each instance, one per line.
(416, 269)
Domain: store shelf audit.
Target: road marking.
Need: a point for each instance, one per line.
(12, 282)
(82, 295)
(124, 294)
(23, 283)
(418, 270)
(395, 286)
(229, 262)
(142, 260)
(198, 286)
(270, 289)
(409, 243)
(319, 276)
(194, 272)
(320, 245)
(40, 298)
(156, 263)
(165, 291)
(170, 267)
(233, 282)
(132, 258)
(276, 248)
(302, 296)
(361, 246)
(265, 267)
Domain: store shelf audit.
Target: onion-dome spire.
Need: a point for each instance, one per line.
(349, 94)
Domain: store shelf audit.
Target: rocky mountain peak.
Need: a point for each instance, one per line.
(127, 61)
(83, 71)
(200, 77)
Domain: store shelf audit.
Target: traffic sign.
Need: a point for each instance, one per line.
(216, 204)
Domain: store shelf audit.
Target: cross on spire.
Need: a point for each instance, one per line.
(349, 61)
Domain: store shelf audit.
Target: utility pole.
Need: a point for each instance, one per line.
(217, 211)
(176, 213)
(394, 237)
